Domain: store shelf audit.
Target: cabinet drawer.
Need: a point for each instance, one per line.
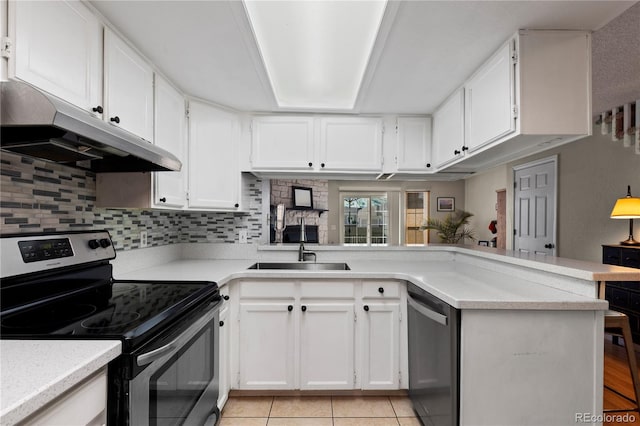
(83, 405)
(327, 289)
(611, 255)
(389, 290)
(267, 289)
(630, 257)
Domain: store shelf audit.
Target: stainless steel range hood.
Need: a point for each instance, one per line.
(40, 125)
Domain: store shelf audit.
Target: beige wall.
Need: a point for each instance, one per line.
(395, 190)
(592, 173)
(481, 198)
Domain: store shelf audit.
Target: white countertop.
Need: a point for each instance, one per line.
(35, 372)
(461, 285)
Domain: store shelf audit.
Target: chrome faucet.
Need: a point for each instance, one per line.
(302, 252)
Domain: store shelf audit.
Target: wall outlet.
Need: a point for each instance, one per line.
(242, 236)
(143, 239)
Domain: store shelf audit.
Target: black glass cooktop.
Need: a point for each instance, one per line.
(128, 310)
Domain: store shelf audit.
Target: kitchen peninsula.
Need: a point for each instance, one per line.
(532, 321)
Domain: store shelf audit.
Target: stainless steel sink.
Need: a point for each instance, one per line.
(301, 265)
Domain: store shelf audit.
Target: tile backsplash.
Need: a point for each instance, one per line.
(38, 196)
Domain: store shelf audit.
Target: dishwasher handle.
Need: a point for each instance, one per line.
(427, 312)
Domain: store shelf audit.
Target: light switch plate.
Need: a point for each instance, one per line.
(242, 236)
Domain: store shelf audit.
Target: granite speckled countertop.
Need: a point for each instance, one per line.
(35, 372)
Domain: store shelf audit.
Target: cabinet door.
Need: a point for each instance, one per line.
(448, 130)
(266, 346)
(170, 133)
(224, 375)
(489, 100)
(327, 346)
(58, 48)
(414, 144)
(351, 144)
(214, 172)
(128, 80)
(381, 346)
(282, 143)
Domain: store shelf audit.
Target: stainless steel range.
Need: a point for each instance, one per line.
(60, 286)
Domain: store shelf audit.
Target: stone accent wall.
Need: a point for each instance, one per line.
(39, 196)
(282, 193)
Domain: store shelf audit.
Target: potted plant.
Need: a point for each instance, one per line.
(449, 228)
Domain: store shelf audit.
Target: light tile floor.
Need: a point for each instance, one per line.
(319, 411)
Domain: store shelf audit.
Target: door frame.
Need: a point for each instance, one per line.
(552, 159)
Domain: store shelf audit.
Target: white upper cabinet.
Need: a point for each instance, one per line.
(448, 130)
(351, 144)
(282, 143)
(128, 80)
(170, 189)
(413, 135)
(489, 99)
(58, 48)
(214, 172)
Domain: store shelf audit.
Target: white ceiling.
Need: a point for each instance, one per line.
(425, 49)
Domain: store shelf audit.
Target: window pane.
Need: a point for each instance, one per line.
(416, 209)
(379, 220)
(366, 219)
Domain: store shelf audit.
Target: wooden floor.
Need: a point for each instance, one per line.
(616, 375)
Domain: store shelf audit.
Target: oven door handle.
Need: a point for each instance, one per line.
(149, 357)
(427, 312)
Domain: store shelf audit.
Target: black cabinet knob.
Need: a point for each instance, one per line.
(322, 165)
(456, 152)
(225, 297)
(381, 290)
(236, 205)
(221, 323)
(465, 148)
(549, 246)
(115, 119)
(310, 164)
(105, 242)
(428, 165)
(163, 199)
(98, 109)
(290, 308)
(366, 308)
(304, 308)
(94, 244)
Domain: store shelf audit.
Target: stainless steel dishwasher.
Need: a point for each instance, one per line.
(434, 358)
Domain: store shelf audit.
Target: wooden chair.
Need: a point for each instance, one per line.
(617, 323)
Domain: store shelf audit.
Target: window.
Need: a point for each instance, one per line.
(365, 219)
(416, 212)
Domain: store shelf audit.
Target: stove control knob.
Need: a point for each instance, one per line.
(105, 242)
(94, 244)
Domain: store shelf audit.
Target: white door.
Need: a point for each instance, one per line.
(128, 81)
(351, 144)
(267, 346)
(535, 207)
(170, 134)
(224, 376)
(413, 144)
(58, 48)
(214, 171)
(327, 345)
(282, 143)
(448, 130)
(489, 100)
(381, 346)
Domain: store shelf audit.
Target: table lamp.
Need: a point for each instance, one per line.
(627, 208)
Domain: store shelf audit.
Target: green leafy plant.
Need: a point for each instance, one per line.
(449, 228)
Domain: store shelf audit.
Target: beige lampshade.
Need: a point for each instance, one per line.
(626, 208)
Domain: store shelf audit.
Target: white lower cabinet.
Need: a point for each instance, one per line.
(327, 346)
(316, 335)
(267, 345)
(85, 404)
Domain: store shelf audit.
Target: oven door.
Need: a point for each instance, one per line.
(179, 386)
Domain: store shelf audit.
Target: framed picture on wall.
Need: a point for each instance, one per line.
(446, 204)
(302, 197)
